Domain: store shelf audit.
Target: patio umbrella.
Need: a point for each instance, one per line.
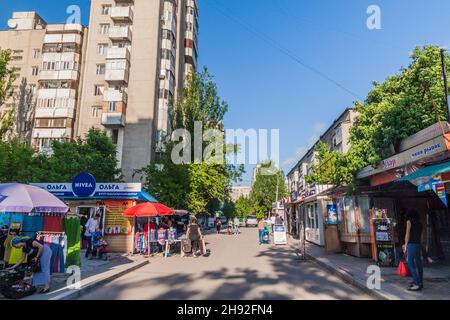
(23, 198)
(148, 209)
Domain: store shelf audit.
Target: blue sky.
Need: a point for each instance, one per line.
(265, 88)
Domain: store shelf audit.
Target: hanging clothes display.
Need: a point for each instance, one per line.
(52, 223)
(12, 255)
(171, 235)
(57, 241)
(31, 225)
(141, 243)
(4, 219)
(72, 228)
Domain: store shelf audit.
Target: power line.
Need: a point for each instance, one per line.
(297, 20)
(276, 45)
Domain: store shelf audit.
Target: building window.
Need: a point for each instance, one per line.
(101, 48)
(106, 10)
(104, 28)
(100, 69)
(34, 71)
(96, 111)
(98, 90)
(115, 136)
(36, 53)
(112, 106)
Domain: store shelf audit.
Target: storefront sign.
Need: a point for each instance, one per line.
(427, 134)
(439, 189)
(83, 189)
(332, 216)
(83, 185)
(279, 235)
(430, 148)
(383, 247)
(115, 223)
(294, 196)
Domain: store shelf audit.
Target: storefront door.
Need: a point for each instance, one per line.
(89, 212)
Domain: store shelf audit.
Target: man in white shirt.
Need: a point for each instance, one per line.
(91, 226)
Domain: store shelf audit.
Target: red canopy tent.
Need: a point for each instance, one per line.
(148, 209)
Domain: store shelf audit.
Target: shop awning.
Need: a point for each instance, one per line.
(146, 197)
(428, 171)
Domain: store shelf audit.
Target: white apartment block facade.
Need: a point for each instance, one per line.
(336, 137)
(136, 61)
(119, 75)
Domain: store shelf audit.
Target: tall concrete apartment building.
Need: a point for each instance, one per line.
(119, 74)
(137, 57)
(47, 59)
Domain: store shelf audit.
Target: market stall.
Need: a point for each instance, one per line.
(28, 211)
(86, 197)
(157, 234)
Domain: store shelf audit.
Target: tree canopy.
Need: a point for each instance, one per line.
(96, 154)
(401, 106)
(7, 77)
(194, 185)
(264, 190)
(243, 207)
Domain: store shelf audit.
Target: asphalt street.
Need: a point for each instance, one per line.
(238, 268)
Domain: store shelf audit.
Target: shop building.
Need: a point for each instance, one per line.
(86, 197)
(309, 204)
(425, 158)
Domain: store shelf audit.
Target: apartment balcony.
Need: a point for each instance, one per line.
(58, 112)
(58, 75)
(121, 14)
(63, 38)
(56, 93)
(119, 76)
(115, 95)
(120, 33)
(113, 119)
(51, 133)
(118, 53)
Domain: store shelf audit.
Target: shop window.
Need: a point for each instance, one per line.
(364, 206)
(349, 210)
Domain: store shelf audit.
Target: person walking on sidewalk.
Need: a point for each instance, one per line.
(236, 224)
(194, 234)
(92, 226)
(218, 225)
(261, 225)
(413, 249)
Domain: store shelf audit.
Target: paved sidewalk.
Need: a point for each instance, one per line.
(393, 287)
(93, 274)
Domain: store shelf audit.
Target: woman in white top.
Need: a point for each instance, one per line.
(91, 226)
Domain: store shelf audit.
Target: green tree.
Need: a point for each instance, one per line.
(194, 186)
(7, 77)
(401, 106)
(243, 207)
(264, 190)
(97, 155)
(229, 209)
(19, 163)
(325, 170)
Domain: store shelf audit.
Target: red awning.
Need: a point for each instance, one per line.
(148, 209)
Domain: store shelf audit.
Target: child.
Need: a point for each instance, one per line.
(101, 248)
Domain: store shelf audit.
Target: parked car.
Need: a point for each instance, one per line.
(224, 220)
(251, 221)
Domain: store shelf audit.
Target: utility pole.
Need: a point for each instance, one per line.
(444, 74)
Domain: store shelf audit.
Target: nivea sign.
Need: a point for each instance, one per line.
(83, 185)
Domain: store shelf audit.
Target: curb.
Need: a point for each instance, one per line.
(71, 294)
(348, 278)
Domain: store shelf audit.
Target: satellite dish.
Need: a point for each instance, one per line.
(12, 23)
